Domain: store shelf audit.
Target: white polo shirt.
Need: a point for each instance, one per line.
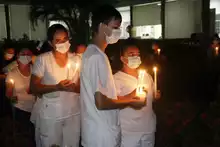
(143, 120)
(100, 128)
(67, 103)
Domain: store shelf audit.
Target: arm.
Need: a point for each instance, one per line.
(104, 103)
(38, 89)
(105, 92)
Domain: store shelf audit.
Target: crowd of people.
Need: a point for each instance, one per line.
(68, 99)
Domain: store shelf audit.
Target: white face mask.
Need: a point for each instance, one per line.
(134, 62)
(115, 35)
(9, 56)
(63, 47)
(25, 59)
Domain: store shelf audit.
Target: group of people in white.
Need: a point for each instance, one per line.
(69, 96)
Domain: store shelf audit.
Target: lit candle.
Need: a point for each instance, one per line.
(76, 68)
(216, 50)
(155, 79)
(140, 87)
(158, 51)
(12, 82)
(68, 70)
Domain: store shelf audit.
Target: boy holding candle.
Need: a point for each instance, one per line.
(138, 126)
(99, 101)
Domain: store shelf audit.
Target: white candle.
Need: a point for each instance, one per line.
(76, 68)
(68, 70)
(155, 79)
(140, 87)
(216, 50)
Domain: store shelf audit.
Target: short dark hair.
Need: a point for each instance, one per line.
(53, 29)
(104, 14)
(128, 43)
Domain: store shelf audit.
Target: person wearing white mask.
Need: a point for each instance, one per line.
(9, 54)
(80, 49)
(17, 89)
(138, 126)
(55, 79)
(99, 102)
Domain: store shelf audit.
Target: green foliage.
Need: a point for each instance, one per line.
(76, 15)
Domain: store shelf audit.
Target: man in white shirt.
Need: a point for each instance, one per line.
(99, 101)
(137, 126)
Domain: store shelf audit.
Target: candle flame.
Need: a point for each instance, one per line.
(155, 69)
(68, 65)
(158, 51)
(217, 48)
(12, 81)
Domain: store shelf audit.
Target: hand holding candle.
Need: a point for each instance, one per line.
(13, 98)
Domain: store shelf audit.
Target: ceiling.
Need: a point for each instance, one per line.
(120, 2)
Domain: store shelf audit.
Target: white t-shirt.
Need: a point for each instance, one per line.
(132, 120)
(21, 87)
(99, 128)
(51, 73)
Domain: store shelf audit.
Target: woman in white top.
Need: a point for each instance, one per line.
(17, 88)
(55, 80)
(137, 126)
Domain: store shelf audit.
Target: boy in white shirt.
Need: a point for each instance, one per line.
(99, 101)
(137, 126)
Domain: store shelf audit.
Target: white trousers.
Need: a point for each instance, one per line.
(136, 139)
(63, 132)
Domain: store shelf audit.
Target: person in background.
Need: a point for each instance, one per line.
(99, 101)
(80, 49)
(55, 80)
(8, 56)
(17, 89)
(215, 42)
(138, 126)
(8, 61)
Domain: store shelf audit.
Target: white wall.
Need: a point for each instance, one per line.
(20, 23)
(215, 4)
(3, 33)
(182, 17)
(126, 20)
(146, 15)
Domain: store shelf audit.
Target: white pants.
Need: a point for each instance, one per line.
(136, 139)
(100, 135)
(63, 132)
